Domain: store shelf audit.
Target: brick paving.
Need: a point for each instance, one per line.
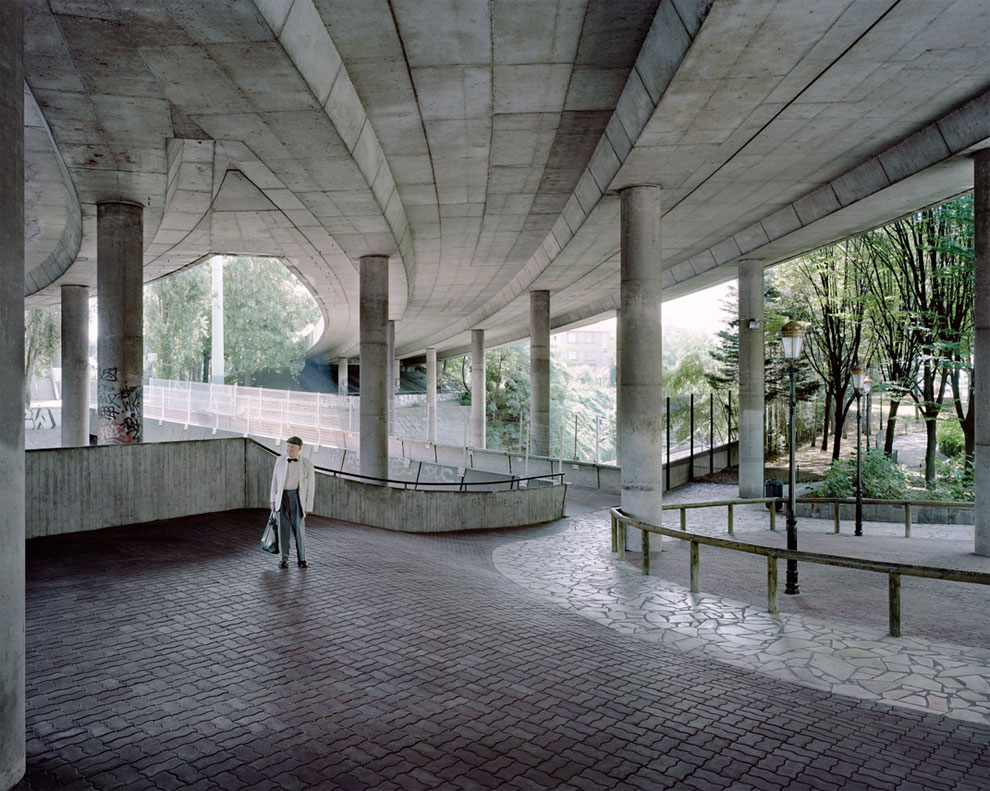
(175, 655)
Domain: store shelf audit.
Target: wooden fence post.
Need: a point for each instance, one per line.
(894, 588)
(771, 584)
(695, 567)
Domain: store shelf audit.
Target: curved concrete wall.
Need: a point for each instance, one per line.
(411, 511)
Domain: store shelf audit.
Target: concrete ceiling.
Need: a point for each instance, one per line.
(480, 143)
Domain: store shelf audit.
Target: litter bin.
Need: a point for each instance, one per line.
(772, 487)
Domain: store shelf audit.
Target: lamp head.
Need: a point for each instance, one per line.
(867, 385)
(792, 339)
(858, 374)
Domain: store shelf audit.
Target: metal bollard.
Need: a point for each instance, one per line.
(907, 520)
(894, 606)
(645, 547)
(730, 519)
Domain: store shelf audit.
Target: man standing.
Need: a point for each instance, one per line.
(293, 486)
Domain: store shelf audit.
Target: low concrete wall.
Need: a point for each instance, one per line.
(408, 510)
(73, 489)
(920, 514)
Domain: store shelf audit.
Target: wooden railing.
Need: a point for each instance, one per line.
(894, 571)
(906, 504)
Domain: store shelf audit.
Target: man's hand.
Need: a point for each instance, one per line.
(273, 505)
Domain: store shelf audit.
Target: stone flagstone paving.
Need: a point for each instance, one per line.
(578, 571)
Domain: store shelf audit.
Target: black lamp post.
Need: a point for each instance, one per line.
(791, 338)
(862, 384)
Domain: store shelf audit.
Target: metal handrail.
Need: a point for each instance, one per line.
(894, 570)
(416, 484)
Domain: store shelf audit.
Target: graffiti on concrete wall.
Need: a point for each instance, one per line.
(118, 410)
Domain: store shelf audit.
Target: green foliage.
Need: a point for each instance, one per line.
(42, 343)
(267, 315)
(953, 481)
(951, 440)
(177, 323)
(882, 478)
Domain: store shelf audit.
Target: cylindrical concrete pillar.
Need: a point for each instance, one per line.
(375, 381)
(751, 379)
(75, 366)
(640, 424)
(618, 389)
(342, 375)
(431, 394)
(216, 325)
(539, 373)
(981, 351)
(12, 740)
(478, 390)
(120, 303)
(393, 366)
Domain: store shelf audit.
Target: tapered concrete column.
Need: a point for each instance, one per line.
(12, 742)
(120, 302)
(431, 394)
(342, 376)
(75, 366)
(478, 391)
(640, 424)
(751, 379)
(539, 373)
(393, 366)
(618, 388)
(981, 362)
(375, 379)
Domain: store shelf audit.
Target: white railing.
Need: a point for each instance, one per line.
(317, 418)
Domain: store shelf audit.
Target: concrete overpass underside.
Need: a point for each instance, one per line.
(481, 144)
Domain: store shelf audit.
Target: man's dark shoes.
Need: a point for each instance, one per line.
(303, 564)
(283, 565)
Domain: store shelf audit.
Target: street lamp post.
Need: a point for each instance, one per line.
(862, 384)
(791, 338)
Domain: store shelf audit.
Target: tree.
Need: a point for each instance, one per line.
(829, 298)
(42, 343)
(177, 323)
(930, 254)
(267, 317)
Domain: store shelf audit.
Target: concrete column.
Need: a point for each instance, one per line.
(539, 373)
(120, 301)
(478, 390)
(375, 381)
(981, 350)
(392, 364)
(618, 388)
(431, 394)
(12, 740)
(640, 424)
(342, 375)
(75, 366)
(751, 379)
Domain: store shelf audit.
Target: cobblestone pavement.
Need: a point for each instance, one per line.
(175, 655)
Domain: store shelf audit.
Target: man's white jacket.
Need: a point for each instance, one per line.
(307, 482)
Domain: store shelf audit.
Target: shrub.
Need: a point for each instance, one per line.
(951, 441)
(882, 478)
(953, 481)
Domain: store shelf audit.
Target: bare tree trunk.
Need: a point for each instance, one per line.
(930, 446)
(888, 440)
(826, 420)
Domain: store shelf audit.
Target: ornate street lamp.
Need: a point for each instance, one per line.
(792, 339)
(862, 383)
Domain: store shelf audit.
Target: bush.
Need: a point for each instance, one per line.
(953, 481)
(882, 478)
(951, 441)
